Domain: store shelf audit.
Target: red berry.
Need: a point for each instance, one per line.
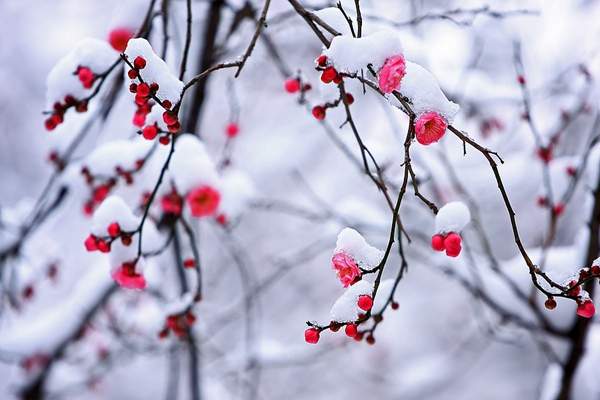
(190, 318)
(351, 330)
(521, 79)
(452, 243)
(150, 132)
(174, 128)
(545, 154)
(595, 270)
(292, 85)
(575, 289)
(91, 243)
(550, 303)
(437, 243)
(311, 335)
(169, 117)
(166, 104)
(232, 129)
(558, 209)
(103, 246)
(50, 124)
(119, 37)
(86, 77)
(571, 170)
(126, 240)
(154, 87)
(139, 119)
(322, 60)
(395, 305)
(143, 90)
(81, 107)
(27, 292)
(358, 337)
(133, 88)
(334, 326)
(164, 140)
(365, 302)
(349, 99)
(222, 219)
(337, 79)
(189, 263)
(328, 75)
(542, 201)
(70, 100)
(132, 74)
(319, 112)
(139, 62)
(114, 229)
(586, 309)
(371, 339)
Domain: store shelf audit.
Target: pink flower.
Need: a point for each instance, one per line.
(430, 127)
(203, 201)
(127, 277)
(391, 74)
(346, 268)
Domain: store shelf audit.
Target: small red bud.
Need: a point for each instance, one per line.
(319, 112)
(365, 302)
(311, 335)
(139, 62)
(114, 229)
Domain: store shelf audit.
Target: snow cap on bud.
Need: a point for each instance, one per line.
(452, 217)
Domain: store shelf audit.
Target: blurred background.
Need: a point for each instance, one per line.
(460, 332)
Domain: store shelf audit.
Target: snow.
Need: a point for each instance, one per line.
(551, 382)
(351, 242)
(349, 54)
(44, 332)
(191, 165)
(334, 18)
(92, 53)
(124, 153)
(453, 217)
(425, 94)
(178, 305)
(383, 294)
(113, 209)
(156, 70)
(345, 309)
(238, 190)
(129, 14)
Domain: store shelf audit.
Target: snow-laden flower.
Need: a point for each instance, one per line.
(391, 74)
(203, 201)
(127, 277)
(346, 268)
(430, 127)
